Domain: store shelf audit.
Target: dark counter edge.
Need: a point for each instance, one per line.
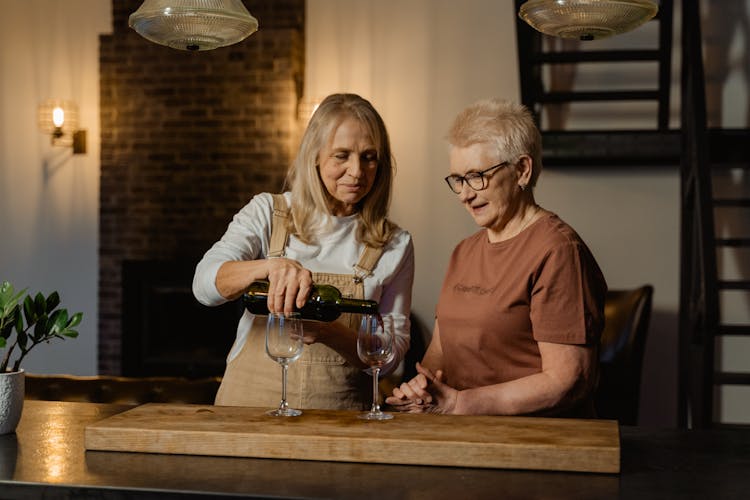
(15, 490)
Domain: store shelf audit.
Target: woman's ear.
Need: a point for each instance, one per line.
(524, 168)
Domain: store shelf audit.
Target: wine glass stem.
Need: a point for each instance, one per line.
(375, 405)
(283, 404)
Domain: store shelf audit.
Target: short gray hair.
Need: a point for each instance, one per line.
(507, 125)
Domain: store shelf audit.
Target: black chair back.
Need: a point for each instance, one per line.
(627, 315)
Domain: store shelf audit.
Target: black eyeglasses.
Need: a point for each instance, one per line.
(476, 180)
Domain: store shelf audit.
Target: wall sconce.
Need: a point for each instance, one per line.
(59, 119)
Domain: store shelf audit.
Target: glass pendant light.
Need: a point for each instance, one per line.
(193, 24)
(586, 19)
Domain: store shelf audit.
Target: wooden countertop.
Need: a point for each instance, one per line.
(327, 435)
(46, 458)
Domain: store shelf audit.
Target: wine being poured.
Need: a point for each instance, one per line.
(325, 302)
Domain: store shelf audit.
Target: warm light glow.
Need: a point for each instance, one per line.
(307, 108)
(58, 117)
(54, 464)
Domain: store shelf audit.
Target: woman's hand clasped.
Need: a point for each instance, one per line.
(425, 393)
(289, 285)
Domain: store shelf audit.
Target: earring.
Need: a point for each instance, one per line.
(522, 186)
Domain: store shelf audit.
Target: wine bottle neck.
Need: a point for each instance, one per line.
(358, 306)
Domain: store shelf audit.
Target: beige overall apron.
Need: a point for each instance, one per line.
(321, 378)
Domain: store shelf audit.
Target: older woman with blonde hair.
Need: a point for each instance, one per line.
(332, 227)
(521, 307)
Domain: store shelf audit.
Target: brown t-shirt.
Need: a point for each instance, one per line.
(499, 299)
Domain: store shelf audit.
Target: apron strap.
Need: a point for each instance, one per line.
(280, 235)
(367, 261)
(279, 232)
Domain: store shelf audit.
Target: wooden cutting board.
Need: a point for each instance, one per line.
(461, 441)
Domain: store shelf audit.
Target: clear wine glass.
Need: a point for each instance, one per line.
(375, 348)
(284, 345)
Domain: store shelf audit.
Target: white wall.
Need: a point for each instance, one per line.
(427, 60)
(420, 62)
(48, 198)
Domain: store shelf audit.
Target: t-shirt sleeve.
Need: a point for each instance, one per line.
(567, 298)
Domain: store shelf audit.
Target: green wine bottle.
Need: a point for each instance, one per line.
(325, 302)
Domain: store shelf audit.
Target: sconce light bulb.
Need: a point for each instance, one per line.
(58, 117)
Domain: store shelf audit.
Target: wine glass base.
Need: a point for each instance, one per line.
(286, 412)
(375, 416)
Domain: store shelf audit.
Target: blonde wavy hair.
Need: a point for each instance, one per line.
(507, 125)
(310, 210)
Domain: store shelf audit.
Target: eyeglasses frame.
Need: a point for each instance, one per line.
(474, 175)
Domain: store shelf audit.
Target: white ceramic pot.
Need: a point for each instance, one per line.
(11, 400)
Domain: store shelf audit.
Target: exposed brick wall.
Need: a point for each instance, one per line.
(187, 139)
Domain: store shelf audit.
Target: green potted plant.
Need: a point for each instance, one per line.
(23, 326)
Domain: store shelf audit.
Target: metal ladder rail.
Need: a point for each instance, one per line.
(699, 310)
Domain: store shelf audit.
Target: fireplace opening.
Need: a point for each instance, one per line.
(165, 330)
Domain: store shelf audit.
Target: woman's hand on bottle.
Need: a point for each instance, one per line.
(289, 284)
